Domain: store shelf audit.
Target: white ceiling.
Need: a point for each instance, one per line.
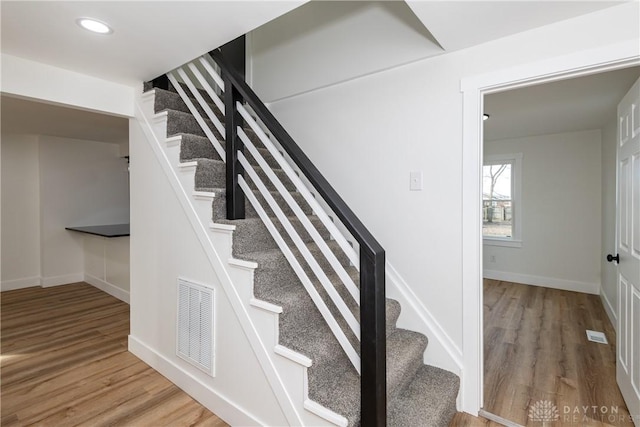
(150, 37)
(20, 116)
(577, 104)
(460, 24)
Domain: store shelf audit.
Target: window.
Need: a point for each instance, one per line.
(501, 213)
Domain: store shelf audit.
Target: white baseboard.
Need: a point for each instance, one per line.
(62, 280)
(26, 282)
(228, 411)
(611, 312)
(107, 287)
(547, 282)
(447, 355)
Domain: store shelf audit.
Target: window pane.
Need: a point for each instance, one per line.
(497, 208)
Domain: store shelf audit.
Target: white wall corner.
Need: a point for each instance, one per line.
(609, 308)
(62, 280)
(107, 287)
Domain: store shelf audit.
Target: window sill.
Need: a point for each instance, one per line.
(507, 243)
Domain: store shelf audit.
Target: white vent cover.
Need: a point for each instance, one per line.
(595, 336)
(195, 341)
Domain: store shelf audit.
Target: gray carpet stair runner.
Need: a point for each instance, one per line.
(418, 394)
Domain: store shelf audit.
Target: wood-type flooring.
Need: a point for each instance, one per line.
(64, 362)
(537, 358)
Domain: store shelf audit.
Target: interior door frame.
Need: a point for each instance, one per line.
(473, 88)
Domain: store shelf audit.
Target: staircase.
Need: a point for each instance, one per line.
(417, 394)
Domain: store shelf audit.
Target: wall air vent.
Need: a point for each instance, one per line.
(195, 340)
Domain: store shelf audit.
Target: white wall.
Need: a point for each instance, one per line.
(81, 183)
(367, 134)
(609, 291)
(49, 183)
(561, 213)
(106, 264)
(20, 212)
(29, 79)
(164, 247)
(297, 51)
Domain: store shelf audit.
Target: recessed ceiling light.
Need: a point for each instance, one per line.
(94, 25)
(485, 117)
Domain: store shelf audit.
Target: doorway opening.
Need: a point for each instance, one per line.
(548, 216)
(473, 89)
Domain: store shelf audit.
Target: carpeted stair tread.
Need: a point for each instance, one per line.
(428, 400)
(181, 122)
(333, 382)
(393, 308)
(220, 203)
(202, 91)
(405, 351)
(167, 99)
(274, 267)
(194, 147)
(252, 235)
(211, 173)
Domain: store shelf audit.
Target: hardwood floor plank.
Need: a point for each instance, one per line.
(65, 363)
(536, 350)
(465, 420)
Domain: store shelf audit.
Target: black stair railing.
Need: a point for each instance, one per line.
(372, 256)
(373, 344)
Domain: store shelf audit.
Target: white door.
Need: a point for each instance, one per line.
(628, 245)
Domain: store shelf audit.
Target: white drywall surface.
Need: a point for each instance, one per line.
(164, 248)
(81, 183)
(322, 42)
(20, 211)
(30, 79)
(367, 134)
(561, 213)
(608, 279)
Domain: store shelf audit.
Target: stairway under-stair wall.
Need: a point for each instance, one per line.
(307, 373)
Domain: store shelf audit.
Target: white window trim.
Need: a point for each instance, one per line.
(516, 200)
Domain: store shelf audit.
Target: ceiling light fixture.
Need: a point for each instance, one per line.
(485, 117)
(94, 25)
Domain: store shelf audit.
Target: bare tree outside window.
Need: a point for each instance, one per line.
(497, 200)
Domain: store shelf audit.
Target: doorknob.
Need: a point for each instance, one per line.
(616, 258)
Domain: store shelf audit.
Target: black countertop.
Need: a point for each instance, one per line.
(112, 230)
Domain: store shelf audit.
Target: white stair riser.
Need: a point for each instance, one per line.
(187, 176)
(222, 240)
(266, 324)
(244, 279)
(172, 150)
